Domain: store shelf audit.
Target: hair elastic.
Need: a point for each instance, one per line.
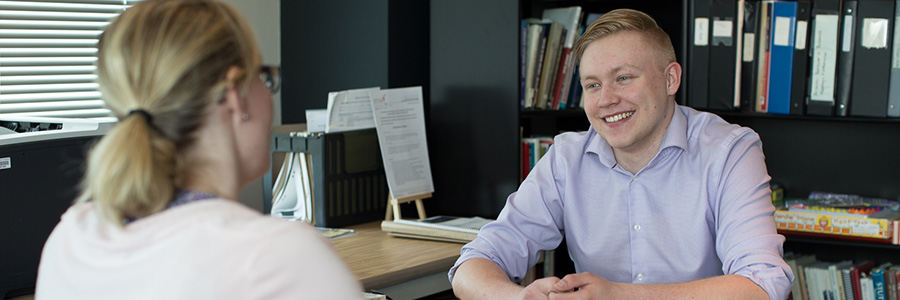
(142, 112)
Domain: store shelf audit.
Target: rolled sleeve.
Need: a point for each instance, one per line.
(749, 243)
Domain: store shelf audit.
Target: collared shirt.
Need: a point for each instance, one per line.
(700, 208)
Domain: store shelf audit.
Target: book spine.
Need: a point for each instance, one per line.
(878, 283)
(847, 279)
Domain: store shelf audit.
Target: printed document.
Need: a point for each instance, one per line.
(400, 123)
(350, 110)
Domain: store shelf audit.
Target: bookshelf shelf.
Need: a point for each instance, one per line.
(758, 115)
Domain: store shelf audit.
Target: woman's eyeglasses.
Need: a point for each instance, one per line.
(271, 76)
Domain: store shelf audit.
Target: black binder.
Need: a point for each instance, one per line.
(801, 59)
(722, 55)
(872, 58)
(749, 61)
(893, 109)
(849, 17)
(698, 61)
(823, 57)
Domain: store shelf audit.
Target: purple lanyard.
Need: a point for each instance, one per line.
(183, 197)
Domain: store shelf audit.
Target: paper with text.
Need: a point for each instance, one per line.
(400, 123)
(350, 110)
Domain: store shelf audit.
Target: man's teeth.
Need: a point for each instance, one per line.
(618, 117)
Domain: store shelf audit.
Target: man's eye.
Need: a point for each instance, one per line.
(623, 78)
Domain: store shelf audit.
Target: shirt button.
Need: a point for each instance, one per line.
(634, 179)
(637, 227)
(640, 277)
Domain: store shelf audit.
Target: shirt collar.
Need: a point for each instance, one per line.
(676, 136)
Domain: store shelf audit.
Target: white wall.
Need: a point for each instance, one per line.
(265, 18)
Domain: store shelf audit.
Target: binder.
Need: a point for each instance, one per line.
(698, 61)
(761, 103)
(801, 59)
(823, 59)
(749, 63)
(873, 58)
(722, 55)
(893, 109)
(849, 15)
(781, 61)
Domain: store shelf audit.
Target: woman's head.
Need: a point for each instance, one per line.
(172, 61)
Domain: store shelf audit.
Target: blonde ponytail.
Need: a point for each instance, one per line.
(167, 59)
(132, 171)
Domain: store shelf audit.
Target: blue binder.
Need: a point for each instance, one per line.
(781, 62)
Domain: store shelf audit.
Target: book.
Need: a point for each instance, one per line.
(569, 17)
(847, 278)
(867, 287)
(837, 287)
(818, 280)
(797, 264)
(555, 40)
(878, 281)
(534, 47)
(872, 55)
(800, 71)
(781, 57)
(890, 283)
(856, 272)
(845, 61)
(823, 60)
(439, 228)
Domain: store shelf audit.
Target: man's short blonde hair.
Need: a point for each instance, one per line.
(624, 20)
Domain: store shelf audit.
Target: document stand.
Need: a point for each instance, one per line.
(349, 185)
(394, 206)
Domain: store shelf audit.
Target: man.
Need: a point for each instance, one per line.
(656, 200)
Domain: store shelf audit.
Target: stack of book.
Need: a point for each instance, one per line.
(548, 68)
(439, 228)
(815, 279)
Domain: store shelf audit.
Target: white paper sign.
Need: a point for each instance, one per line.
(824, 58)
(400, 123)
(701, 31)
(350, 110)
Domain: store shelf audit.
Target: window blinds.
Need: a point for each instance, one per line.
(47, 55)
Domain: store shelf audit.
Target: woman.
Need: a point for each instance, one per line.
(158, 217)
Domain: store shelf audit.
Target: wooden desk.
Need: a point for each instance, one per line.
(401, 268)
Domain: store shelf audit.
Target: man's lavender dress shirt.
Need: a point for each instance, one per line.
(700, 208)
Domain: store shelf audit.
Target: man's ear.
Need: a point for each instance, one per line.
(673, 78)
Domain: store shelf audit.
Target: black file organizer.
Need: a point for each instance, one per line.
(349, 185)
